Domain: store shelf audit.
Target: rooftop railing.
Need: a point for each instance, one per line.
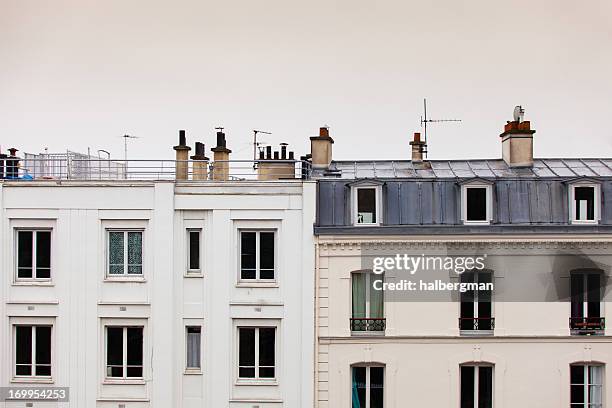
(187, 170)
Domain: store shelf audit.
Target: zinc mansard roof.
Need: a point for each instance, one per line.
(495, 168)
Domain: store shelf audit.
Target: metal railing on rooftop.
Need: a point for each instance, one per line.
(67, 168)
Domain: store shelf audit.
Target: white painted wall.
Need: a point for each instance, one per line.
(79, 300)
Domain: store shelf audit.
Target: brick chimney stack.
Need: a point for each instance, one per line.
(321, 149)
(517, 141)
(221, 154)
(418, 148)
(182, 155)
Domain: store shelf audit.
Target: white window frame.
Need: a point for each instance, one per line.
(587, 385)
(33, 327)
(477, 381)
(31, 321)
(34, 231)
(124, 378)
(378, 201)
(596, 203)
(188, 270)
(258, 279)
(193, 370)
(257, 324)
(489, 204)
(368, 381)
(124, 275)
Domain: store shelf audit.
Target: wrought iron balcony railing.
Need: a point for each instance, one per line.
(373, 324)
(477, 323)
(587, 324)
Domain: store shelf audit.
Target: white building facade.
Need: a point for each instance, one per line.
(159, 293)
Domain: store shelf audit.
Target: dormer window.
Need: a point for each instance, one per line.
(476, 203)
(584, 203)
(366, 199)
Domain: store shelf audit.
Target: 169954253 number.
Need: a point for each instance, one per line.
(60, 394)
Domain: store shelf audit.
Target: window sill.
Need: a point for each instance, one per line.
(585, 222)
(374, 224)
(192, 371)
(476, 333)
(46, 283)
(260, 382)
(193, 274)
(257, 284)
(32, 380)
(476, 222)
(123, 381)
(124, 279)
(366, 333)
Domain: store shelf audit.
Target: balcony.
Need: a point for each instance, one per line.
(368, 325)
(587, 325)
(477, 325)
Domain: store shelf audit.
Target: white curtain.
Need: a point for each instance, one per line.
(595, 385)
(193, 349)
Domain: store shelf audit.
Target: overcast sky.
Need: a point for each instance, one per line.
(80, 73)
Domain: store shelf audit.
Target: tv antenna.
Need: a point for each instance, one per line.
(125, 144)
(425, 120)
(256, 143)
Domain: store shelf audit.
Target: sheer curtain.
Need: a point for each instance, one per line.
(595, 386)
(193, 348)
(376, 297)
(358, 282)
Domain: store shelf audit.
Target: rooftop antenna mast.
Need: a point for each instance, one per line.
(256, 144)
(125, 145)
(425, 120)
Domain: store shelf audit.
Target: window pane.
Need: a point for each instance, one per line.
(24, 254)
(247, 255)
(23, 350)
(377, 376)
(194, 249)
(115, 252)
(366, 205)
(467, 307)
(476, 201)
(193, 347)
(485, 387)
(593, 295)
(595, 389)
(577, 292)
(43, 350)
(114, 351)
(359, 387)
(577, 374)
(246, 354)
(135, 253)
(134, 351)
(266, 255)
(467, 386)
(266, 352)
(377, 302)
(43, 254)
(585, 203)
(358, 283)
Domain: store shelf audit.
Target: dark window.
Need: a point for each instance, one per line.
(194, 249)
(33, 351)
(257, 352)
(246, 358)
(584, 200)
(586, 295)
(586, 386)
(368, 387)
(266, 352)
(476, 306)
(194, 335)
(34, 254)
(476, 201)
(130, 339)
(366, 206)
(476, 386)
(257, 255)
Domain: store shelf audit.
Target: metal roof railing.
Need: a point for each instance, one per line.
(68, 168)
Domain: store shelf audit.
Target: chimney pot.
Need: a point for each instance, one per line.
(261, 155)
(13, 151)
(291, 156)
(276, 155)
(268, 152)
(417, 137)
(324, 132)
(182, 138)
(283, 151)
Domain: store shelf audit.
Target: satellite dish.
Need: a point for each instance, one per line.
(519, 112)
